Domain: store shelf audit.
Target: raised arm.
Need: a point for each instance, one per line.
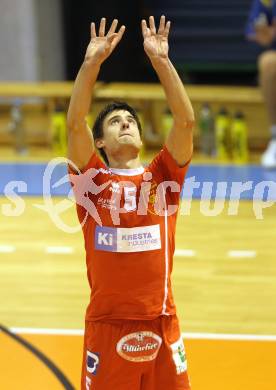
(180, 139)
(80, 139)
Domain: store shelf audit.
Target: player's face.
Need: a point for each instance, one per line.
(120, 129)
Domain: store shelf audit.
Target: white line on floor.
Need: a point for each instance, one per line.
(236, 254)
(59, 249)
(223, 336)
(7, 248)
(48, 331)
(184, 252)
(195, 336)
(233, 254)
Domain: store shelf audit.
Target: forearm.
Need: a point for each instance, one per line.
(81, 98)
(177, 98)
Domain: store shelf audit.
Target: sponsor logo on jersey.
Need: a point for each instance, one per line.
(137, 239)
(115, 187)
(106, 172)
(139, 346)
(179, 356)
(107, 203)
(92, 362)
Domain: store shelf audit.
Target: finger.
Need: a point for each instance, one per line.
(161, 25)
(152, 25)
(113, 27)
(167, 29)
(102, 27)
(93, 30)
(111, 37)
(115, 38)
(145, 29)
(121, 31)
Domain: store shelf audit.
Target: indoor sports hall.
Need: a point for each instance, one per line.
(224, 273)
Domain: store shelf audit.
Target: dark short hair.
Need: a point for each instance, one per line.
(98, 125)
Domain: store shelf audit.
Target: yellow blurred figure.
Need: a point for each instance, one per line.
(239, 139)
(59, 133)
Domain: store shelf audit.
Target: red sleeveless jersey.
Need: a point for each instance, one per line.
(128, 218)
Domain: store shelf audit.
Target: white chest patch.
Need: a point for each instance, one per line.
(137, 239)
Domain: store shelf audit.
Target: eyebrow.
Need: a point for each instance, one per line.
(119, 116)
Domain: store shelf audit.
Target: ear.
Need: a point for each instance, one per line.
(99, 143)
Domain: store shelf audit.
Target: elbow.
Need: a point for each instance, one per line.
(185, 121)
(190, 124)
(190, 121)
(70, 122)
(187, 124)
(74, 125)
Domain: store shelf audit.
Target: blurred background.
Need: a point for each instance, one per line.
(224, 270)
(46, 41)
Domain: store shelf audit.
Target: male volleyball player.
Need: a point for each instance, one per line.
(262, 29)
(132, 336)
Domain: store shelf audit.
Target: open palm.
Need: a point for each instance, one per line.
(101, 46)
(156, 43)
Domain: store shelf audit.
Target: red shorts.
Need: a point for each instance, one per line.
(134, 355)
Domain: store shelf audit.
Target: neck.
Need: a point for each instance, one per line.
(124, 162)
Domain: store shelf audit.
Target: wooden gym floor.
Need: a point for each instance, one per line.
(224, 283)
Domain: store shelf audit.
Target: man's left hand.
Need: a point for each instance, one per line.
(265, 35)
(156, 43)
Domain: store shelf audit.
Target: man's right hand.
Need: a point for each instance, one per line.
(80, 139)
(101, 46)
(265, 34)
